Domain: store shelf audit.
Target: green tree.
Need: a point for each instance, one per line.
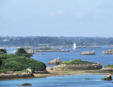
(13, 62)
(19, 63)
(3, 51)
(22, 52)
(3, 56)
(0, 62)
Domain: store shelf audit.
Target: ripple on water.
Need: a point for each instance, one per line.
(61, 81)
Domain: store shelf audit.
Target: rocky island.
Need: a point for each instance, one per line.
(20, 65)
(56, 61)
(88, 53)
(108, 52)
(50, 49)
(77, 64)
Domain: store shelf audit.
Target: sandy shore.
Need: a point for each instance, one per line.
(68, 72)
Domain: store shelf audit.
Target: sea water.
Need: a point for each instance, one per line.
(67, 80)
(61, 81)
(65, 56)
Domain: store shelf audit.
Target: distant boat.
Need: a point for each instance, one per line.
(74, 46)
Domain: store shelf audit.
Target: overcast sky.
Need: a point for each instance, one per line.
(56, 18)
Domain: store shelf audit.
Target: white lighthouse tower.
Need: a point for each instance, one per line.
(74, 46)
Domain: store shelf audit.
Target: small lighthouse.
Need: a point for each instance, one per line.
(74, 46)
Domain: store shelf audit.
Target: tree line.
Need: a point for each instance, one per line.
(53, 41)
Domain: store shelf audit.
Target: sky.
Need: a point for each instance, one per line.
(89, 18)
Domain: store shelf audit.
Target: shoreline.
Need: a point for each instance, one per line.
(54, 73)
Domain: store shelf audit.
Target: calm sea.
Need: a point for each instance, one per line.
(61, 81)
(68, 80)
(99, 57)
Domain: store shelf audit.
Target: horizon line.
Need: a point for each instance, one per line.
(59, 36)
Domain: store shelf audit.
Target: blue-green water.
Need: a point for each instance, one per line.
(61, 81)
(71, 80)
(65, 56)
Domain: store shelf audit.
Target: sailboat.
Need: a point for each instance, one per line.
(74, 46)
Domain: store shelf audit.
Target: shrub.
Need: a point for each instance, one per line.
(47, 48)
(3, 56)
(12, 62)
(20, 63)
(108, 66)
(13, 66)
(76, 61)
(3, 51)
(0, 62)
(22, 52)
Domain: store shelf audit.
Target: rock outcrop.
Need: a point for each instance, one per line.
(56, 61)
(107, 70)
(13, 76)
(88, 53)
(108, 52)
(78, 67)
(108, 77)
(27, 84)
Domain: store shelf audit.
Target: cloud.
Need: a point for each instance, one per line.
(60, 12)
(79, 14)
(57, 13)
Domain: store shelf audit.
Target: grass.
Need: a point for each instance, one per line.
(108, 66)
(76, 62)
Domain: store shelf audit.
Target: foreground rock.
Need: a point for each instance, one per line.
(27, 84)
(56, 61)
(14, 75)
(108, 77)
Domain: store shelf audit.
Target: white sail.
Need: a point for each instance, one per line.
(74, 46)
